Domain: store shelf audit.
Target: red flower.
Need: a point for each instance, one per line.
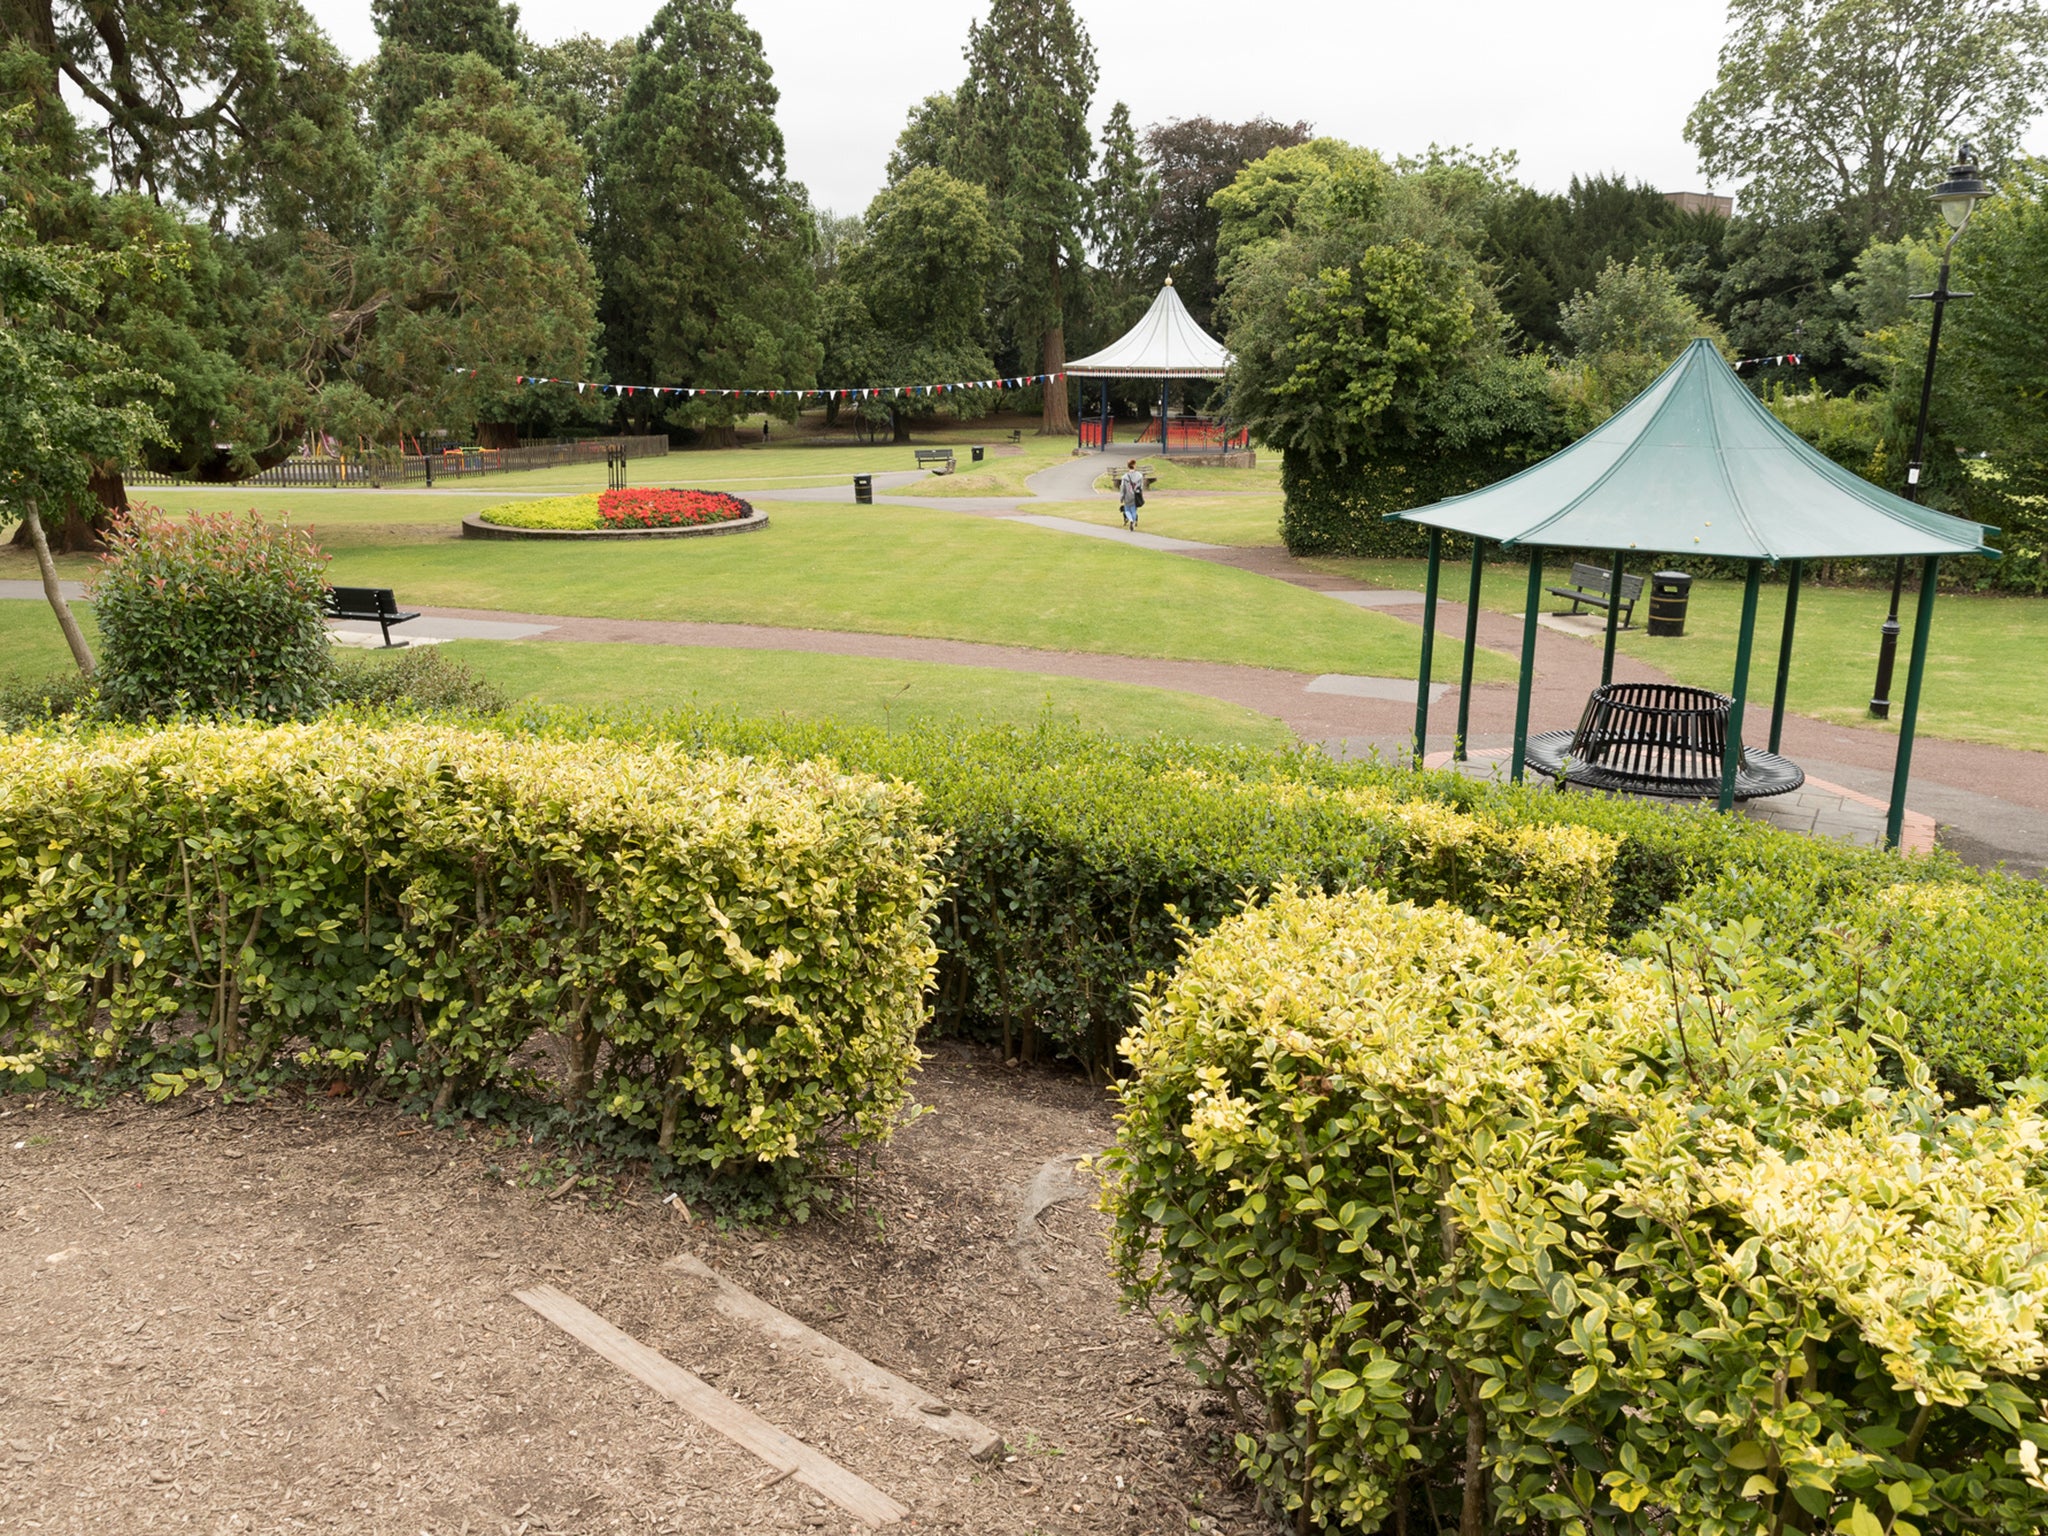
(654, 508)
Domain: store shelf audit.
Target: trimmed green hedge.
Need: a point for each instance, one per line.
(1516, 1228)
(731, 957)
(1074, 866)
(1337, 508)
(1074, 861)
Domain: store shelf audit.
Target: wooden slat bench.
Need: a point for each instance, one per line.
(377, 605)
(1590, 586)
(1657, 739)
(940, 460)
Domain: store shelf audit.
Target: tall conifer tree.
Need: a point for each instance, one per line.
(703, 242)
(420, 40)
(1123, 205)
(1023, 135)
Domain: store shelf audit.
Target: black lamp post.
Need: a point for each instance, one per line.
(1957, 198)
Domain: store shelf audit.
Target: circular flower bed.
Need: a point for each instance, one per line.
(620, 511)
(652, 508)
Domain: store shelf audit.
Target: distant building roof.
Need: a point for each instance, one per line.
(1695, 465)
(1165, 344)
(1702, 202)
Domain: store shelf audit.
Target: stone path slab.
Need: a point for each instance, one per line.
(1121, 535)
(32, 591)
(431, 629)
(1395, 689)
(1379, 599)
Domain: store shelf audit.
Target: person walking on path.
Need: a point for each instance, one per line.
(1131, 485)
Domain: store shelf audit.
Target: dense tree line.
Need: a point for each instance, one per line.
(331, 248)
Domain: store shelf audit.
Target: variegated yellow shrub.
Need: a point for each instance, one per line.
(1496, 1234)
(1516, 876)
(733, 955)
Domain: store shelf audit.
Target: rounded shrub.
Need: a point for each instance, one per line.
(421, 678)
(212, 615)
(1495, 1234)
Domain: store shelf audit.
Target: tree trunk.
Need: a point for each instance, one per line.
(899, 427)
(84, 535)
(726, 436)
(1057, 420)
(497, 434)
(54, 591)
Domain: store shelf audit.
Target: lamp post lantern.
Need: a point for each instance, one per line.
(1957, 198)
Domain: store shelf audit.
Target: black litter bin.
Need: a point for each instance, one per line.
(864, 489)
(977, 453)
(1670, 592)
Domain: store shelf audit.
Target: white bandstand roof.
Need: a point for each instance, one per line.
(1165, 344)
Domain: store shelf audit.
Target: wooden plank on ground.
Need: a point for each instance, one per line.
(851, 1369)
(702, 1401)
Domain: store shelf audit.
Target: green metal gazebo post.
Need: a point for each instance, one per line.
(1436, 555)
(1902, 766)
(1528, 660)
(1613, 618)
(1794, 569)
(1465, 668)
(1731, 751)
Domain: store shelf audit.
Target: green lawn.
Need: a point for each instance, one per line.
(31, 645)
(907, 571)
(890, 570)
(1985, 679)
(850, 688)
(1242, 521)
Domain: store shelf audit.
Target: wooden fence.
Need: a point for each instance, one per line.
(427, 469)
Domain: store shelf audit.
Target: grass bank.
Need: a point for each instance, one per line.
(853, 689)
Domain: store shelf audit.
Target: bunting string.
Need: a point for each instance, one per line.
(691, 392)
(1782, 360)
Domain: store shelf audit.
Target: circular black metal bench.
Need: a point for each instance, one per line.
(1658, 739)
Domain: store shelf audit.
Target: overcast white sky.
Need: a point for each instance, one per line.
(1573, 85)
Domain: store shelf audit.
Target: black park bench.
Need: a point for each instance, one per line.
(1590, 585)
(1657, 739)
(375, 604)
(940, 460)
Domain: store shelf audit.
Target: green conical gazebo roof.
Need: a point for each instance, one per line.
(1695, 465)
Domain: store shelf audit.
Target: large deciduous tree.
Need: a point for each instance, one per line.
(930, 137)
(1194, 158)
(476, 264)
(579, 81)
(1995, 388)
(1369, 347)
(72, 400)
(1624, 330)
(1022, 133)
(914, 299)
(703, 241)
(1853, 106)
(231, 135)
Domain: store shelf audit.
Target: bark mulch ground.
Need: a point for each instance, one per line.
(294, 1316)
